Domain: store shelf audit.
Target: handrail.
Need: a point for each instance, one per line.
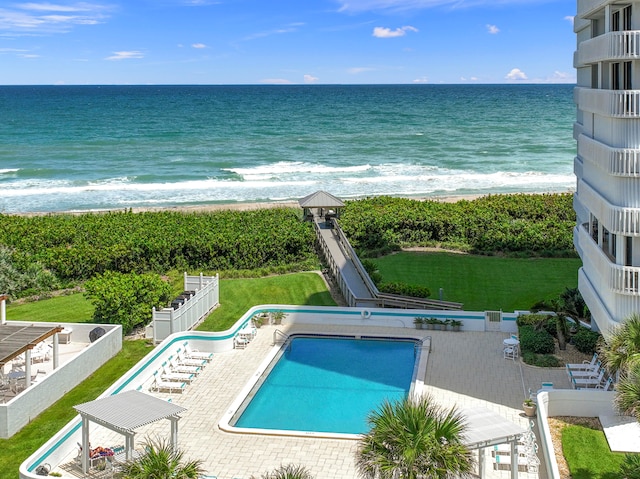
(277, 333)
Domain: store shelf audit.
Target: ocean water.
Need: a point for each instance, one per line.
(111, 147)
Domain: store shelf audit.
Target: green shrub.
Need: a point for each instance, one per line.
(404, 289)
(21, 276)
(126, 299)
(586, 341)
(630, 468)
(536, 341)
(541, 360)
(530, 319)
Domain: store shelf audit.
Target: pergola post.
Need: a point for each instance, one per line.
(481, 459)
(129, 445)
(84, 455)
(56, 342)
(174, 432)
(514, 459)
(27, 368)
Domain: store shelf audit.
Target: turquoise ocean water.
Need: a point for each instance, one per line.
(111, 147)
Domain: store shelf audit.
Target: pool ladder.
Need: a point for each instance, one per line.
(279, 337)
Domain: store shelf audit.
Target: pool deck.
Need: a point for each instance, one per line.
(466, 369)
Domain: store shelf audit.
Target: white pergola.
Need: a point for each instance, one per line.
(486, 428)
(124, 413)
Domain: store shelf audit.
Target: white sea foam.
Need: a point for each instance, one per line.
(4, 171)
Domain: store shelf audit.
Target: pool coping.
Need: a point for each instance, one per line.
(417, 383)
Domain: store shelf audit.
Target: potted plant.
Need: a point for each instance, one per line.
(529, 407)
(429, 322)
(277, 317)
(438, 324)
(455, 324)
(258, 320)
(418, 322)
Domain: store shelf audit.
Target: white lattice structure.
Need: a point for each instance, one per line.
(607, 165)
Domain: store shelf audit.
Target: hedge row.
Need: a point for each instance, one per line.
(519, 223)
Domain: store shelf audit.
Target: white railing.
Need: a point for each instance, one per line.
(611, 103)
(617, 219)
(608, 47)
(205, 297)
(615, 161)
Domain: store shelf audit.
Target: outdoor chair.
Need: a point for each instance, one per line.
(159, 385)
(240, 342)
(169, 375)
(183, 368)
(511, 352)
(607, 385)
(592, 382)
(587, 372)
(583, 364)
(195, 354)
(183, 360)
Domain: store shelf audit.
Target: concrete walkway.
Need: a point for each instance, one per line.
(465, 369)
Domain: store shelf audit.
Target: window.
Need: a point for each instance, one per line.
(615, 76)
(615, 21)
(594, 228)
(626, 18)
(626, 76)
(628, 257)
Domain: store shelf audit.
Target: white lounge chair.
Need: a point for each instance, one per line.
(195, 354)
(593, 382)
(182, 359)
(607, 385)
(183, 368)
(170, 375)
(159, 385)
(239, 342)
(584, 364)
(586, 373)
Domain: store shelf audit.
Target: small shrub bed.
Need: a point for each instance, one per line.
(586, 341)
(536, 341)
(541, 360)
(404, 289)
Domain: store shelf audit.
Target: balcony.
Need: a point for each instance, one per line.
(617, 219)
(623, 162)
(609, 47)
(611, 103)
(618, 279)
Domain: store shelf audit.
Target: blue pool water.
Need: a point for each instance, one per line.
(330, 385)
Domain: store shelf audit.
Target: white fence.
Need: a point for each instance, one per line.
(204, 297)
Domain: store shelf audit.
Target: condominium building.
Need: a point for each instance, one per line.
(607, 165)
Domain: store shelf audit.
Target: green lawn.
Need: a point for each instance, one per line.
(238, 295)
(588, 455)
(73, 308)
(483, 282)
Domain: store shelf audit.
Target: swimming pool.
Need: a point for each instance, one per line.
(327, 385)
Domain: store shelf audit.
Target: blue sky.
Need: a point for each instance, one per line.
(286, 41)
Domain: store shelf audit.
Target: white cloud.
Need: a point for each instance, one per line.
(562, 77)
(276, 81)
(469, 79)
(198, 45)
(516, 74)
(570, 18)
(49, 18)
(354, 6)
(125, 55)
(290, 28)
(421, 80)
(382, 32)
(357, 70)
(492, 29)
(310, 79)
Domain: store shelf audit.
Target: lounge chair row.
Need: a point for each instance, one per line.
(179, 370)
(244, 336)
(589, 374)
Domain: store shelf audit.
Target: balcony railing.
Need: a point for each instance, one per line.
(611, 103)
(623, 162)
(608, 47)
(620, 279)
(617, 219)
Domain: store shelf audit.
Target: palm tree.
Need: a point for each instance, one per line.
(161, 461)
(627, 399)
(622, 347)
(414, 438)
(290, 471)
